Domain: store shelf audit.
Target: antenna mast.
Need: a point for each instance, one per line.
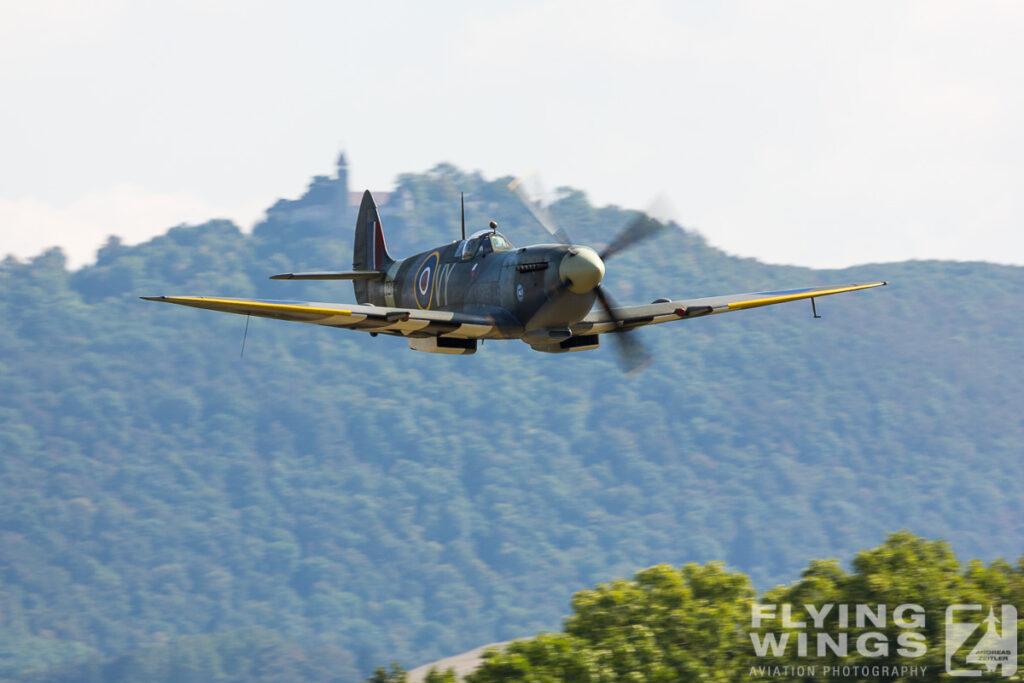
(462, 200)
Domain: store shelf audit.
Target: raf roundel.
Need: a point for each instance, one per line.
(519, 292)
(424, 280)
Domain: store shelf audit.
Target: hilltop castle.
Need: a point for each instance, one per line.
(329, 200)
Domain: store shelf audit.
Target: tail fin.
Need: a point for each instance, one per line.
(370, 251)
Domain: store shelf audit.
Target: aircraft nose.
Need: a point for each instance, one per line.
(581, 270)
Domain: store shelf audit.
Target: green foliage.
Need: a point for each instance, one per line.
(664, 625)
(695, 623)
(252, 655)
(391, 674)
(344, 493)
(435, 676)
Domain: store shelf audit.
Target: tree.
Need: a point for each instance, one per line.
(391, 674)
(696, 623)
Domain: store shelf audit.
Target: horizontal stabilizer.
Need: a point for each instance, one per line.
(332, 275)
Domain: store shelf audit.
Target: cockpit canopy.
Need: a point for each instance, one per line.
(483, 242)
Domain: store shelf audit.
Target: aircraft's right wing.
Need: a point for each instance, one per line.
(631, 317)
(399, 321)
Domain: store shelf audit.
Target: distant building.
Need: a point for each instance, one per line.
(329, 201)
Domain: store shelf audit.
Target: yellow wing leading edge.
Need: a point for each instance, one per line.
(663, 311)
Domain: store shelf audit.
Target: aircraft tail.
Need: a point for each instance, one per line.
(370, 251)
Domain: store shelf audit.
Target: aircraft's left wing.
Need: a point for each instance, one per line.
(401, 321)
(631, 317)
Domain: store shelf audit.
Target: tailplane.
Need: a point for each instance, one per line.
(370, 251)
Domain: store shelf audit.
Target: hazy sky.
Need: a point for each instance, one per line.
(819, 133)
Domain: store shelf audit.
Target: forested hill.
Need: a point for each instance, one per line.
(332, 501)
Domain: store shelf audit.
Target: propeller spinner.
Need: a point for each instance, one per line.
(581, 270)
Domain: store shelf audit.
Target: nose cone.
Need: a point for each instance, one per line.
(581, 270)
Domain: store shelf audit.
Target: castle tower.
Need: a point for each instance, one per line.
(341, 207)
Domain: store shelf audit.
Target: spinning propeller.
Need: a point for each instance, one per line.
(633, 357)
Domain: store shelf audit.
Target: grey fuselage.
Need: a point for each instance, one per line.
(520, 289)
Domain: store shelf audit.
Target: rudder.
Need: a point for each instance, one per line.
(370, 251)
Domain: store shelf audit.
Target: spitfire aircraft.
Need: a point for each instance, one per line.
(447, 299)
